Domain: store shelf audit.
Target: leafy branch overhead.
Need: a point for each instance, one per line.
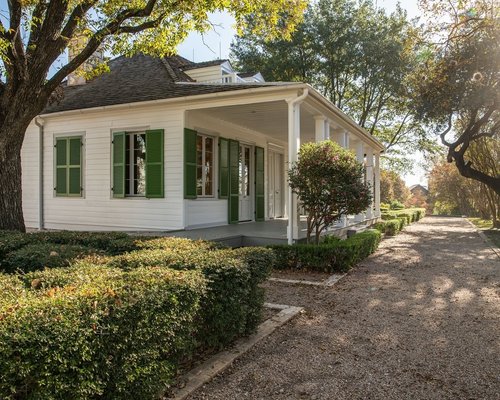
(458, 83)
(359, 57)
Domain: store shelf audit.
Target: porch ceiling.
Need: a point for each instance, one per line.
(270, 118)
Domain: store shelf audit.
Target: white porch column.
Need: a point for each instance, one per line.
(360, 156)
(369, 180)
(319, 128)
(377, 185)
(327, 129)
(341, 136)
(293, 149)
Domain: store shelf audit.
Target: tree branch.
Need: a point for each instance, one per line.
(97, 38)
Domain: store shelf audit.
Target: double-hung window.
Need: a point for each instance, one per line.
(204, 166)
(138, 164)
(135, 164)
(68, 166)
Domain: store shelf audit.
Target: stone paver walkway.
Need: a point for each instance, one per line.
(419, 319)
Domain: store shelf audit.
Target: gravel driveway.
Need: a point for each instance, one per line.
(419, 319)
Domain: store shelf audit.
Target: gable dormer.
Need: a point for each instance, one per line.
(219, 71)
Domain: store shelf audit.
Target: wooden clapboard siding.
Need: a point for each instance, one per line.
(30, 158)
(97, 209)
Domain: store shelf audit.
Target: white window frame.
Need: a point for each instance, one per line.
(204, 174)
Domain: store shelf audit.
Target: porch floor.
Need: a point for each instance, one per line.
(257, 233)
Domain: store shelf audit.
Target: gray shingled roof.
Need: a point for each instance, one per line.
(135, 79)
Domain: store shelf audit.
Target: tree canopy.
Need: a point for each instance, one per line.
(360, 58)
(457, 82)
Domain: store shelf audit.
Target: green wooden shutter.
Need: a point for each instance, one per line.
(75, 166)
(190, 164)
(61, 150)
(259, 184)
(223, 168)
(119, 164)
(154, 163)
(234, 181)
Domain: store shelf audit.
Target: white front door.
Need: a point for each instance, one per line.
(246, 187)
(276, 166)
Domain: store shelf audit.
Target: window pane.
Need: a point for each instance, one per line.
(247, 171)
(199, 180)
(139, 164)
(199, 150)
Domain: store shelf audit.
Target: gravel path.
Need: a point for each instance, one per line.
(419, 319)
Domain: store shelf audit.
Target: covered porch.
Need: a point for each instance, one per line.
(276, 123)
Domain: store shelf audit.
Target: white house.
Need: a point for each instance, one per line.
(167, 144)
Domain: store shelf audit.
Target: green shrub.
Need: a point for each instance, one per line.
(118, 335)
(407, 215)
(396, 205)
(392, 227)
(337, 256)
(177, 244)
(233, 277)
(111, 242)
(11, 241)
(40, 255)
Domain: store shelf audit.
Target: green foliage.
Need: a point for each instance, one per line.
(237, 273)
(328, 181)
(329, 256)
(457, 84)
(359, 57)
(396, 205)
(114, 334)
(119, 326)
(31, 251)
(390, 227)
(39, 255)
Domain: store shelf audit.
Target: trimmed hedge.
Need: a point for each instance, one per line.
(36, 256)
(234, 301)
(329, 256)
(118, 326)
(389, 227)
(13, 257)
(106, 333)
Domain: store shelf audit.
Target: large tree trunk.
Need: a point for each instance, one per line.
(11, 201)
(17, 116)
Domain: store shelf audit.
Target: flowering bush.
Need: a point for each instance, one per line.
(329, 182)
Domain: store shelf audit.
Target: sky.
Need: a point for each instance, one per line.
(216, 44)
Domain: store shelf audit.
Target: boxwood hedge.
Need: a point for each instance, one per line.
(118, 326)
(113, 334)
(329, 256)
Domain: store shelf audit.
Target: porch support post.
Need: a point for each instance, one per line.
(320, 128)
(377, 184)
(293, 149)
(369, 180)
(360, 156)
(327, 129)
(341, 136)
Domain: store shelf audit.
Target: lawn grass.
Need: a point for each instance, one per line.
(487, 227)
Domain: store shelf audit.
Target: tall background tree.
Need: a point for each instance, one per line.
(457, 83)
(361, 59)
(36, 33)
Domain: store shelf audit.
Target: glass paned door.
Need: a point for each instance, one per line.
(245, 180)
